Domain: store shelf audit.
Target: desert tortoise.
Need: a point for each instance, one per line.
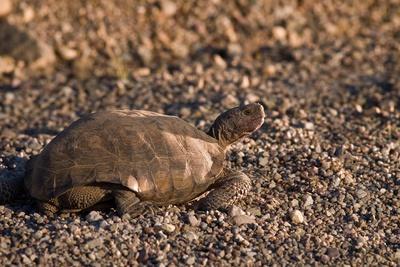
(139, 159)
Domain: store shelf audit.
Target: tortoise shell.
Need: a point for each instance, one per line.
(162, 158)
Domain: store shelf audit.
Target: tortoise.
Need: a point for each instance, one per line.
(140, 159)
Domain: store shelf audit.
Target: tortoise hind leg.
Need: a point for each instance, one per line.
(128, 202)
(48, 207)
(83, 197)
(77, 199)
(226, 191)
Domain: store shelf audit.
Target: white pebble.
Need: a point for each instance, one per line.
(308, 201)
(297, 216)
(263, 161)
(169, 228)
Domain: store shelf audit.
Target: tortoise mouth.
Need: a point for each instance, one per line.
(259, 119)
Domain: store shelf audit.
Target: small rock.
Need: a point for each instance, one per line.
(191, 236)
(252, 98)
(94, 243)
(104, 224)
(308, 201)
(270, 70)
(93, 216)
(255, 211)
(324, 258)
(220, 62)
(92, 256)
(361, 193)
(29, 14)
(263, 162)
(8, 134)
(272, 184)
(5, 7)
(336, 181)
(143, 255)
(234, 49)
(332, 253)
(146, 54)
(168, 7)
(245, 83)
(142, 72)
(169, 228)
(229, 101)
(297, 216)
(279, 33)
(191, 260)
(46, 59)
(193, 220)
(360, 242)
(26, 260)
(243, 219)
(67, 53)
(397, 255)
(75, 229)
(333, 112)
(309, 126)
(7, 64)
(185, 112)
(235, 211)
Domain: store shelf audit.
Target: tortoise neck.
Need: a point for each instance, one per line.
(219, 132)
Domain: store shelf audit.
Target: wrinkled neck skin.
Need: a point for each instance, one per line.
(224, 135)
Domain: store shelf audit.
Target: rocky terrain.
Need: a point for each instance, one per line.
(325, 166)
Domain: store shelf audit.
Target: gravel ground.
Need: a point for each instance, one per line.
(325, 166)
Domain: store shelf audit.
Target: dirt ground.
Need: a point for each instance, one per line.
(325, 166)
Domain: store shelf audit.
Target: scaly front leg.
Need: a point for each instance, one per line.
(230, 188)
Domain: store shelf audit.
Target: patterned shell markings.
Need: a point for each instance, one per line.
(161, 157)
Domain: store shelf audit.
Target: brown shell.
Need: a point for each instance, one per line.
(162, 158)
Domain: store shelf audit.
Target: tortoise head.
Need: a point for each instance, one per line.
(236, 123)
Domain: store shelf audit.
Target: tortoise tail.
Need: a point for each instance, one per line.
(11, 188)
(12, 183)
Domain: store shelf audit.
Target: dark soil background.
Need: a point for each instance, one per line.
(325, 166)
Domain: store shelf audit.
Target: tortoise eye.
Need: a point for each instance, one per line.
(247, 112)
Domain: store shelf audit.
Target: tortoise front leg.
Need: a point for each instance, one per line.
(226, 191)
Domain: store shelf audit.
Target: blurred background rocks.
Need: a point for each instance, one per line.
(122, 37)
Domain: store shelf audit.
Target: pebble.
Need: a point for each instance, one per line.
(94, 243)
(297, 217)
(333, 253)
(5, 7)
(193, 221)
(361, 193)
(191, 236)
(263, 161)
(308, 201)
(235, 211)
(93, 216)
(169, 228)
(325, 258)
(294, 203)
(243, 219)
(191, 260)
(308, 126)
(67, 53)
(168, 7)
